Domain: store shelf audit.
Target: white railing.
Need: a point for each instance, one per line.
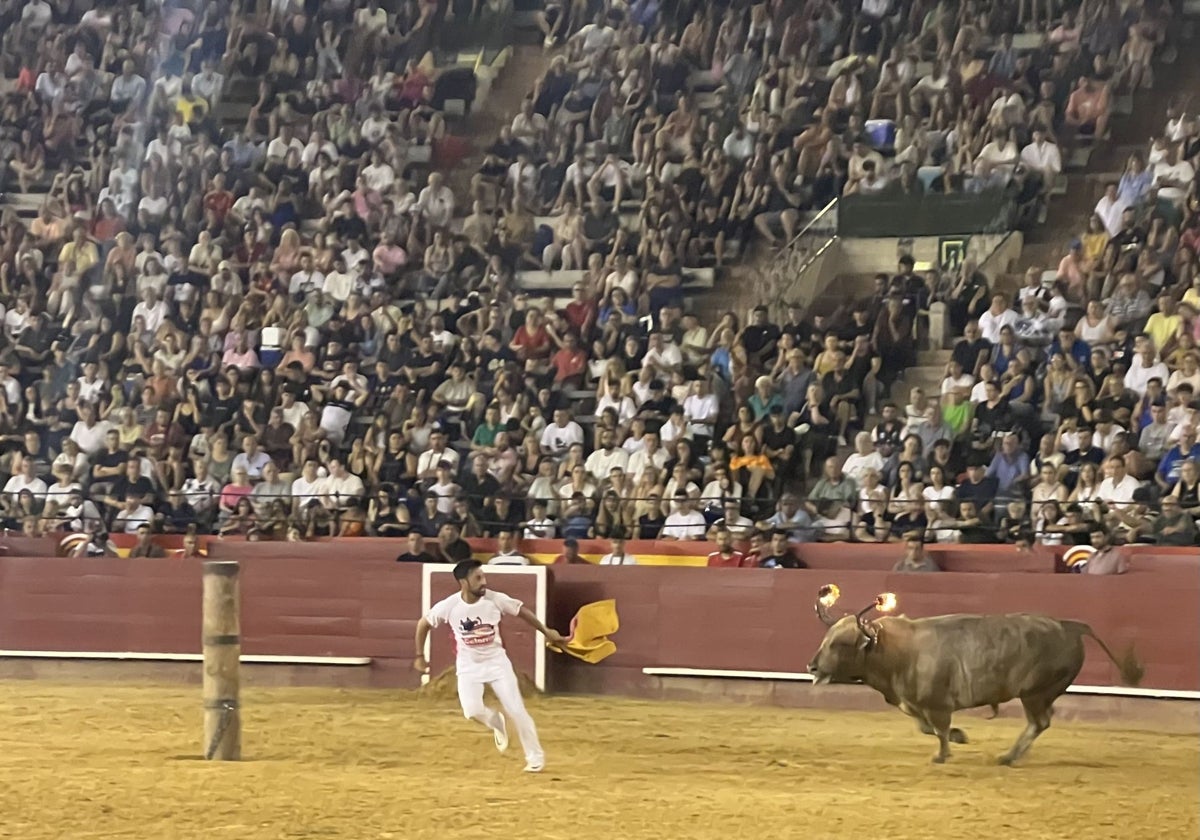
(790, 277)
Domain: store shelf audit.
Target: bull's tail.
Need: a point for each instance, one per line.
(1128, 665)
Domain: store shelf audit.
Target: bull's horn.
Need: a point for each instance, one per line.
(827, 596)
(885, 603)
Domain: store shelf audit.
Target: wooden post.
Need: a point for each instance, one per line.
(222, 655)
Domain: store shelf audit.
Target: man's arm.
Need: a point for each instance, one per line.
(526, 615)
(422, 634)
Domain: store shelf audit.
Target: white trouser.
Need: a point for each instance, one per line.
(508, 691)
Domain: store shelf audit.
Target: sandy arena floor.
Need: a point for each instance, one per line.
(116, 761)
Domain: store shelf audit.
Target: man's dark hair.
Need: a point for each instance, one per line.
(463, 570)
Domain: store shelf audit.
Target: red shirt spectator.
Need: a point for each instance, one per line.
(581, 313)
(726, 555)
(568, 362)
(531, 340)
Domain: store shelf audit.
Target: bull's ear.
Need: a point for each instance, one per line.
(865, 642)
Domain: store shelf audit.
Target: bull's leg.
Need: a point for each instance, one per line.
(957, 736)
(1037, 713)
(940, 722)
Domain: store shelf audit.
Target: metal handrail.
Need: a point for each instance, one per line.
(786, 270)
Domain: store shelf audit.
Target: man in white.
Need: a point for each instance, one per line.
(1173, 175)
(1143, 369)
(617, 555)
(151, 309)
(663, 357)
(650, 455)
(474, 614)
(998, 316)
(507, 553)
(26, 479)
(1043, 157)
(1117, 490)
(558, 437)
(436, 202)
(1110, 208)
(608, 457)
(685, 522)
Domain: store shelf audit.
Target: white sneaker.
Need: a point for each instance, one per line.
(841, 441)
(501, 735)
(534, 768)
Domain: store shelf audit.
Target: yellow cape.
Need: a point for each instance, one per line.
(590, 629)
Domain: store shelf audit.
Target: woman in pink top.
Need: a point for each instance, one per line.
(1073, 268)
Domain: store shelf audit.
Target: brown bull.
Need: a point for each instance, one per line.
(931, 667)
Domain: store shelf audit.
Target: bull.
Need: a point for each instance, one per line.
(932, 667)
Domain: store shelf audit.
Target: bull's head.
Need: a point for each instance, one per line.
(843, 652)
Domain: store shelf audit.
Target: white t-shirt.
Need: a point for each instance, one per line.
(513, 558)
(479, 652)
(684, 526)
(621, 560)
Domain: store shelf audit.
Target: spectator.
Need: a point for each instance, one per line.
(507, 553)
(617, 556)
(916, 558)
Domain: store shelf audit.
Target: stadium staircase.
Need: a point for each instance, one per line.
(1136, 120)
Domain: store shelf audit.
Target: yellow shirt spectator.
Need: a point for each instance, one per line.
(75, 259)
(1163, 328)
(192, 109)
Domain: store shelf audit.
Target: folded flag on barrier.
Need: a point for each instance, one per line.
(590, 628)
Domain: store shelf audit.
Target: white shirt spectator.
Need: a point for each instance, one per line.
(857, 466)
(339, 285)
(1139, 375)
(990, 324)
(618, 560)
(962, 384)
(90, 439)
(509, 558)
(201, 494)
(305, 282)
(540, 529)
(558, 439)
(303, 490)
(379, 177)
(128, 521)
(437, 205)
(602, 462)
(699, 411)
(641, 459)
(1181, 172)
(338, 492)
(1043, 157)
(154, 314)
(664, 359)
(278, 148)
(1110, 210)
(1120, 492)
(684, 526)
(14, 486)
(209, 85)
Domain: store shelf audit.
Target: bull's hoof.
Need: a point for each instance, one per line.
(939, 759)
(1006, 760)
(957, 736)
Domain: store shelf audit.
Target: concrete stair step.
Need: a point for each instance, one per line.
(932, 359)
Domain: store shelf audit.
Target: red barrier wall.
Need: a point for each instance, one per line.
(299, 600)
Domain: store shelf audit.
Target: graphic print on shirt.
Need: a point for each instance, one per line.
(476, 633)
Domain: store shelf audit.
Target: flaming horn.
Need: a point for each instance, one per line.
(884, 603)
(827, 596)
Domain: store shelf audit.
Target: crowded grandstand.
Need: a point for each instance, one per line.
(261, 277)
